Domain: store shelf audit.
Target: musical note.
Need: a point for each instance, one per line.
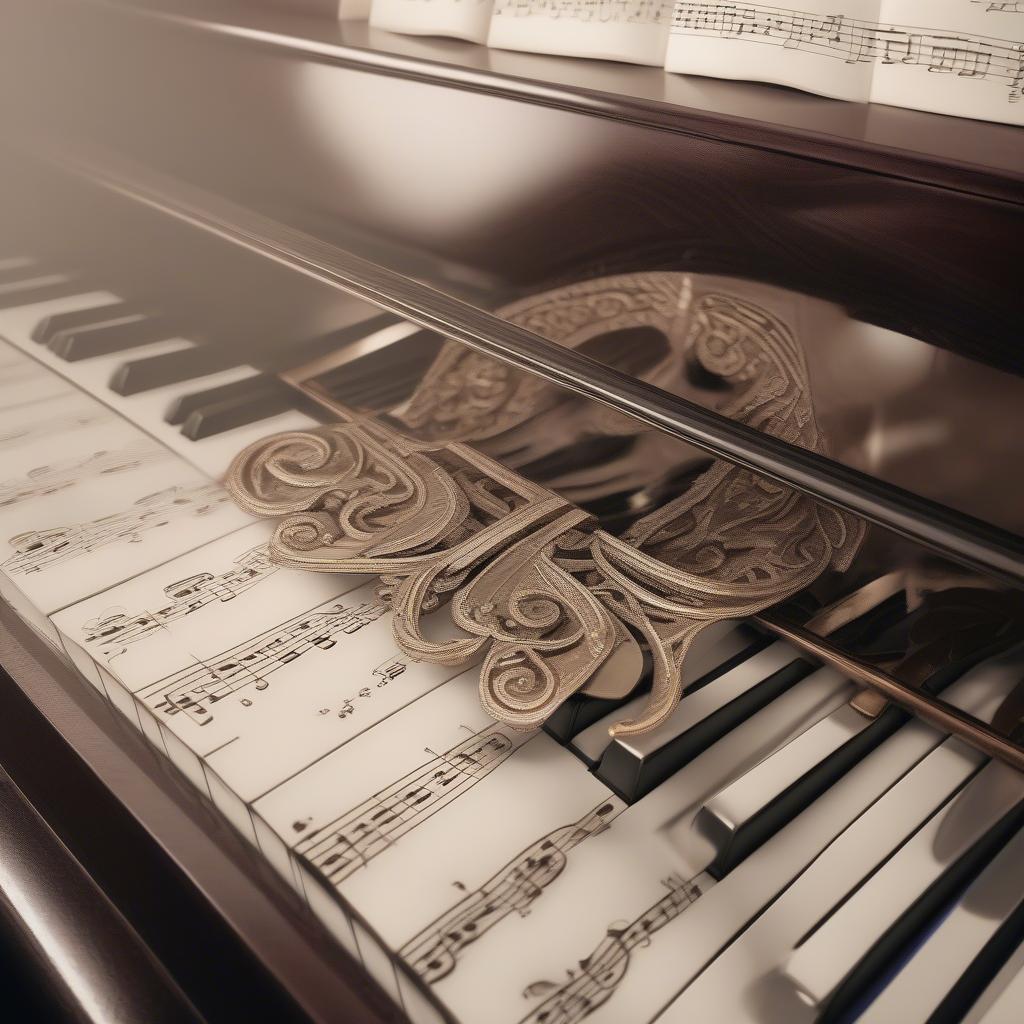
(434, 952)
(350, 841)
(114, 630)
(958, 57)
(855, 41)
(37, 551)
(391, 669)
(44, 480)
(193, 690)
(598, 975)
(995, 7)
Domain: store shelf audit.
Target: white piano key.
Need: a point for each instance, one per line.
(671, 809)
(715, 645)
(14, 262)
(147, 408)
(332, 915)
(16, 322)
(823, 961)
(1003, 997)
(53, 417)
(916, 992)
(633, 764)
(726, 814)
(418, 1008)
(257, 675)
(376, 960)
(743, 983)
(103, 504)
(29, 613)
(634, 840)
(23, 388)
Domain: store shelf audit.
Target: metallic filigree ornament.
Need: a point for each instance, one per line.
(555, 604)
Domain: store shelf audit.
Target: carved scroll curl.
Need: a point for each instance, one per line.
(532, 582)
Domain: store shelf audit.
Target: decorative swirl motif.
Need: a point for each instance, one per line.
(549, 634)
(469, 397)
(735, 542)
(357, 497)
(531, 581)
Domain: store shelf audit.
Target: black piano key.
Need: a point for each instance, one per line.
(894, 944)
(44, 331)
(280, 358)
(634, 777)
(157, 371)
(969, 987)
(40, 293)
(580, 712)
(777, 813)
(335, 341)
(104, 339)
(234, 412)
(184, 405)
(383, 378)
(138, 375)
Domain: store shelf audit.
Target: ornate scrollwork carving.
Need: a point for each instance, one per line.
(550, 634)
(358, 497)
(466, 396)
(554, 601)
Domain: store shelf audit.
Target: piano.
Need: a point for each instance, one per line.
(235, 788)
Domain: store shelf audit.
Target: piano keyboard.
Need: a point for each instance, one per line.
(769, 853)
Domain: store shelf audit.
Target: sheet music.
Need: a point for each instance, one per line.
(414, 820)
(92, 506)
(628, 30)
(509, 947)
(957, 58)
(257, 671)
(24, 422)
(948, 56)
(462, 19)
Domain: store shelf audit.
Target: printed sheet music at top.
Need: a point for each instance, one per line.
(960, 57)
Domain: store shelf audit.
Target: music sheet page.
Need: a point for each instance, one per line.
(461, 19)
(635, 31)
(962, 57)
(812, 47)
